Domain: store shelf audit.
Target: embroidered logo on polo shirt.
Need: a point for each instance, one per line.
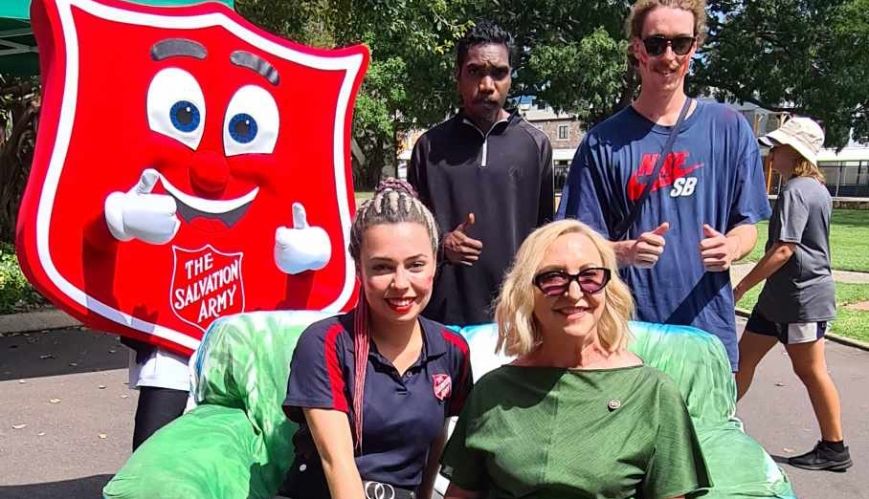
(443, 385)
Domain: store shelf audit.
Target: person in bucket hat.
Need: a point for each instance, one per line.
(798, 300)
(802, 134)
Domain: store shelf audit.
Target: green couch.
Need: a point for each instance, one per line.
(237, 443)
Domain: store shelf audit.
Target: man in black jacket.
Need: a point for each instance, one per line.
(486, 174)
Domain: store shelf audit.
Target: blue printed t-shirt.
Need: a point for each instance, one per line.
(402, 415)
(713, 175)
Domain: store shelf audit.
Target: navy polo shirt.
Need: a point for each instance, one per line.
(402, 415)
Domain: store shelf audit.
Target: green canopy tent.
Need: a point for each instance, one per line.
(17, 46)
(18, 52)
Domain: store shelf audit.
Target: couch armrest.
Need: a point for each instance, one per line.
(205, 453)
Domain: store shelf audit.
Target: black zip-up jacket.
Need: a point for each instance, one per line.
(505, 178)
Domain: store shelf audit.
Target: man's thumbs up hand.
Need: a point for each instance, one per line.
(649, 246)
(459, 248)
(716, 250)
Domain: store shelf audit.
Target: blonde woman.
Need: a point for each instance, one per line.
(576, 414)
(799, 297)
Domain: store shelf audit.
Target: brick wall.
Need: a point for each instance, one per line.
(550, 128)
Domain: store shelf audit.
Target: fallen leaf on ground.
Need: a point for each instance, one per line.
(22, 381)
(102, 387)
(102, 436)
(46, 356)
(73, 364)
(124, 396)
(787, 450)
(55, 401)
(40, 434)
(19, 426)
(779, 384)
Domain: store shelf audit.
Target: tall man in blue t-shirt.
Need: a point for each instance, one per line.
(706, 198)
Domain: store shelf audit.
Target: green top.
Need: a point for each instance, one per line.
(565, 433)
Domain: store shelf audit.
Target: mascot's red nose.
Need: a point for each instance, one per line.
(209, 174)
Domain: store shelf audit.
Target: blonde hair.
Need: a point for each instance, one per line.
(805, 168)
(641, 8)
(518, 330)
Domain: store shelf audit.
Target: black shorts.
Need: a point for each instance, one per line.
(789, 333)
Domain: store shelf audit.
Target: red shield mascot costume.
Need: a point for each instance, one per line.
(188, 166)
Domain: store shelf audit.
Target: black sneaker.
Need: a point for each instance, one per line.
(822, 458)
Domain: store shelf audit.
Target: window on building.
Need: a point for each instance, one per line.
(562, 132)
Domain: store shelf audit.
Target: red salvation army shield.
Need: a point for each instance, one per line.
(442, 385)
(206, 284)
(175, 139)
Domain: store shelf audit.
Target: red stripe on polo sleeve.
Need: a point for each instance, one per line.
(333, 368)
(463, 387)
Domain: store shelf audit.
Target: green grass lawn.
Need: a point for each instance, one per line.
(850, 323)
(362, 196)
(849, 240)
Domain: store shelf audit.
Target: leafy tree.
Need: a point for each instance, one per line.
(808, 57)
(408, 83)
(570, 55)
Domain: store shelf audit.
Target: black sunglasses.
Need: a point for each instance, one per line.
(657, 45)
(556, 282)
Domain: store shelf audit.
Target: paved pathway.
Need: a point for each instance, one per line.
(737, 272)
(776, 411)
(66, 414)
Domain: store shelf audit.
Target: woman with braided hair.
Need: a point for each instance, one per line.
(373, 388)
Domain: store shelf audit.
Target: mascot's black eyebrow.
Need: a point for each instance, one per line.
(252, 61)
(177, 47)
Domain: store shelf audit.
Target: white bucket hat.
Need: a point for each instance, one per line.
(803, 134)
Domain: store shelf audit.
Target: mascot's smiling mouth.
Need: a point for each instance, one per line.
(229, 211)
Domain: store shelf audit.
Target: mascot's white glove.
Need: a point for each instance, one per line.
(301, 247)
(138, 214)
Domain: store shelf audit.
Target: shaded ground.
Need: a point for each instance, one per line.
(66, 414)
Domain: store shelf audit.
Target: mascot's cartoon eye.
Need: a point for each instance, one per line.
(184, 115)
(242, 128)
(252, 122)
(176, 106)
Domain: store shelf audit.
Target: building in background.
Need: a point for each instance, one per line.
(565, 133)
(846, 170)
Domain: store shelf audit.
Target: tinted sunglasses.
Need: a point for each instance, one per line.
(657, 45)
(556, 282)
